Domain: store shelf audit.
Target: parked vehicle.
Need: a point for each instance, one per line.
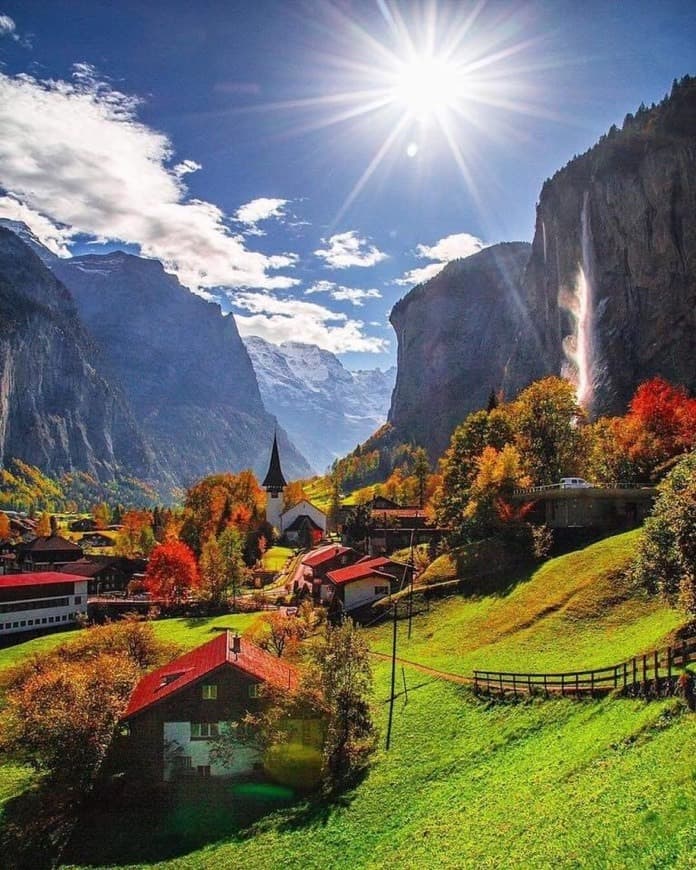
(574, 483)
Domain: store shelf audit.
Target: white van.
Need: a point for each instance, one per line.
(574, 483)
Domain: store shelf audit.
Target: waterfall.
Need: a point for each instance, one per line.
(579, 347)
(543, 236)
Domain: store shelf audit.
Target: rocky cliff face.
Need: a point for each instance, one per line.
(57, 411)
(611, 281)
(181, 363)
(455, 334)
(325, 408)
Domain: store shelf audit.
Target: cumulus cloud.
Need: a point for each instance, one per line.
(76, 153)
(284, 319)
(354, 295)
(261, 209)
(454, 247)
(53, 237)
(349, 249)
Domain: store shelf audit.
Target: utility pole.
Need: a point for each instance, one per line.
(410, 592)
(393, 675)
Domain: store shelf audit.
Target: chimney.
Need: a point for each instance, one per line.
(236, 646)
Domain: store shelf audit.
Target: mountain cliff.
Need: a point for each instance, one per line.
(57, 410)
(611, 283)
(181, 363)
(455, 335)
(325, 408)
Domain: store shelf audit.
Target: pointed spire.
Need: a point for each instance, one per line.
(274, 480)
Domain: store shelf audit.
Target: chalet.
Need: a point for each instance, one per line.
(106, 573)
(176, 712)
(47, 553)
(39, 601)
(86, 524)
(96, 539)
(322, 560)
(359, 584)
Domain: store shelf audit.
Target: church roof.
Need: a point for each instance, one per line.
(274, 477)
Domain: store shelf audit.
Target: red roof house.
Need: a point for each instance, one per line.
(176, 712)
(359, 584)
(40, 601)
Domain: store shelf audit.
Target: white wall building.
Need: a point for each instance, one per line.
(42, 600)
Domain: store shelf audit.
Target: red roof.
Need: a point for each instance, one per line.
(37, 578)
(202, 660)
(325, 554)
(356, 572)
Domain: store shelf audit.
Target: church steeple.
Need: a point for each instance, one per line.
(274, 482)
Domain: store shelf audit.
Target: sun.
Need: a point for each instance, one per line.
(426, 85)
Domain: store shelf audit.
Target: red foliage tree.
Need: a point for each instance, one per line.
(172, 572)
(667, 414)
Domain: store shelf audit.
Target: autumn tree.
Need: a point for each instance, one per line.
(281, 634)
(421, 470)
(131, 539)
(172, 572)
(43, 526)
(499, 472)
(666, 560)
(231, 546)
(5, 528)
(545, 419)
(101, 514)
(344, 679)
(214, 579)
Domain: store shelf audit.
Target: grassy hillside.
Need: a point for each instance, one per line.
(576, 611)
(469, 783)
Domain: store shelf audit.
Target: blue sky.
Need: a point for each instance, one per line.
(305, 163)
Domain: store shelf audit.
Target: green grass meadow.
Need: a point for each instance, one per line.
(467, 783)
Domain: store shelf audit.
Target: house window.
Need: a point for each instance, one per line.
(204, 730)
(78, 599)
(209, 692)
(381, 590)
(203, 769)
(255, 690)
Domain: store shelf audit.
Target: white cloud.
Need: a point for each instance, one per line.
(454, 247)
(76, 153)
(54, 238)
(349, 249)
(186, 167)
(278, 320)
(261, 209)
(7, 26)
(343, 294)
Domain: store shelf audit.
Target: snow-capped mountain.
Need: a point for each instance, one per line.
(325, 408)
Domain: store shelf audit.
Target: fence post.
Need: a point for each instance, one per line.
(656, 664)
(645, 669)
(625, 674)
(592, 684)
(562, 684)
(546, 688)
(616, 676)
(529, 683)
(514, 685)
(577, 685)
(500, 679)
(669, 662)
(635, 671)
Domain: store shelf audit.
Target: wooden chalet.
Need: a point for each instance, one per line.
(176, 712)
(47, 553)
(96, 539)
(106, 573)
(319, 562)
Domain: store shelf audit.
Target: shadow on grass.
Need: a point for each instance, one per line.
(135, 826)
(34, 828)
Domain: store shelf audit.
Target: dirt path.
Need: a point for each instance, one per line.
(443, 675)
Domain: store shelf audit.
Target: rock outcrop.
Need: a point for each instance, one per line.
(325, 408)
(611, 283)
(455, 334)
(57, 410)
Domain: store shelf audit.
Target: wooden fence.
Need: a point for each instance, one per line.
(654, 667)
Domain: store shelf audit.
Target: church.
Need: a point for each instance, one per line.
(302, 525)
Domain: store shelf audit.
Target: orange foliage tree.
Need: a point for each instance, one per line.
(172, 572)
(219, 501)
(5, 529)
(133, 540)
